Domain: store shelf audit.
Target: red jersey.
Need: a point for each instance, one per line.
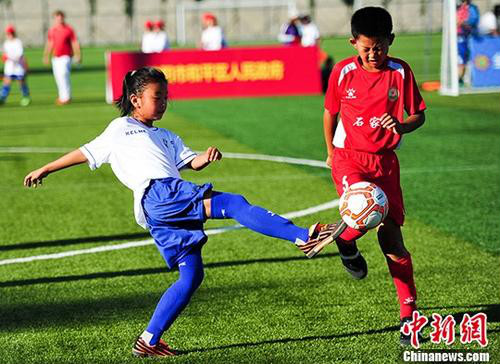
(362, 97)
(61, 37)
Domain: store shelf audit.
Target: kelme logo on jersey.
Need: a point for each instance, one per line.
(393, 94)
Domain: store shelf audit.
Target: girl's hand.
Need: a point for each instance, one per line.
(35, 178)
(391, 123)
(213, 154)
(329, 161)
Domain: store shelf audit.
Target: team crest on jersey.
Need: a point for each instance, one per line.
(393, 94)
(351, 93)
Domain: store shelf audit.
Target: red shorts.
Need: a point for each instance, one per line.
(350, 166)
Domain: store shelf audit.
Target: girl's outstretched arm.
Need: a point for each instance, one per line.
(35, 178)
(202, 160)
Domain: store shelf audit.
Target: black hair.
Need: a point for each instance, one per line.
(134, 83)
(371, 21)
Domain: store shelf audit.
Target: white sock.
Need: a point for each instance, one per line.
(146, 336)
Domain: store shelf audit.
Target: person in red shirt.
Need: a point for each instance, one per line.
(364, 121)
(64, 47)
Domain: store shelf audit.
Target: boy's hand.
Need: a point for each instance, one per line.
(391, 123)
(329, 161)
(202, 160)
(35, 178)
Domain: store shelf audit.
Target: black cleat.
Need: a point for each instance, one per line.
(405, 339)
(353, 261)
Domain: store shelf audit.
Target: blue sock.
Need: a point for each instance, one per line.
(228, 205)
(5, 92)
(25, 90)
(175, 299)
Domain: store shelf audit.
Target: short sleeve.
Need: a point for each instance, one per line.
(72, 35)
(413, 100)
(332, 101)
(98, 151)
(183, 154)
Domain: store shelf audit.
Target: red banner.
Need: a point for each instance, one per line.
(231, 72)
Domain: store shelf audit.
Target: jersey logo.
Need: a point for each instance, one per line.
(393, 94)
(351, 93)
(359, 121)
(135, 131)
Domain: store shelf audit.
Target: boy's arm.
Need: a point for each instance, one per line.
(329, 125)
(35, 178)
(411, 123)
(202, 160)
(47, 51)
(77, 53)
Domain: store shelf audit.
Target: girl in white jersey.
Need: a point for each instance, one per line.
(147, 159)
(15, 67)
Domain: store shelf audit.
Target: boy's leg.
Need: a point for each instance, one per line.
(400, 267)
(221, 205)
(171, 304)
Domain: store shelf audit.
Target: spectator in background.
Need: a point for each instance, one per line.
(290, 31)
(161, 42)
(309, 32)
(212, 36)
(488, 22)
(64, 48)
(147, 44)
(15, 66)
(467, 22)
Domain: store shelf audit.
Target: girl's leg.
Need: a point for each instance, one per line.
(175, 299)
(222, 205)
(5, 89)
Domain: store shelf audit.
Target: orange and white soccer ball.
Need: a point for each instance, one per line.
(363, 205)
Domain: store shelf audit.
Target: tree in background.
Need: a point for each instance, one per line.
(91, 20)
(129, 12)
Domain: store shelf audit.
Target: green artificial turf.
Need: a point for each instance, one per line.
(261, 300)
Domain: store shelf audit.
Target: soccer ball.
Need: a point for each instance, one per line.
(363, 205)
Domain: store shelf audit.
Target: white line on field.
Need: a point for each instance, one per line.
(135, 244)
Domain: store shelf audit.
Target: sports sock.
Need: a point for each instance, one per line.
(176, 297)
(5, 92)
(232, 206)
(350, 234)
(402, 274)
(25, 90)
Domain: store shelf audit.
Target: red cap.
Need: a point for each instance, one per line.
(208, 16)
(9, 29)
(148, 24)
(160, 24)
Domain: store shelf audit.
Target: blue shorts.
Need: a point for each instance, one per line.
(175, 216)
(15, 77)
(463, 50)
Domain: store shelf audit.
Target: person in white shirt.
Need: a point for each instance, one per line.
(212, 36)
(148, 38)
(309, 31)
(15, 67)
(147, 159)
(161, 42)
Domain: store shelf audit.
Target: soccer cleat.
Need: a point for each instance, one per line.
(353, 261)
(143, 350)
(25, 101)
(320, 235)
(405, 339)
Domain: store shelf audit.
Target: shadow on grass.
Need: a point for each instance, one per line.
(149, 271)
(74, 241)
(293, 340)
(492, 311)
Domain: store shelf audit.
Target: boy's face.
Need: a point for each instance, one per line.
(372, 51)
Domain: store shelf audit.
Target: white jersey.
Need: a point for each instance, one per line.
(14, 64)
(310, 35)
(161, 42)
(148, 42)
(212, 38)
(137, 154)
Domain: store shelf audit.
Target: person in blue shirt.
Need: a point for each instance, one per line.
(467, 26)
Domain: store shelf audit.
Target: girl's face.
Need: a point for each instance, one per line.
(151, 104)
(372, 51)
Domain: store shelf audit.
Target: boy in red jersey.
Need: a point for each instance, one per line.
(364, 116)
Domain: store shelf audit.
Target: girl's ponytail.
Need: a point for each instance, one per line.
(123, 103)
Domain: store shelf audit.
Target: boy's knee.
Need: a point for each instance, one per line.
(390, 239)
